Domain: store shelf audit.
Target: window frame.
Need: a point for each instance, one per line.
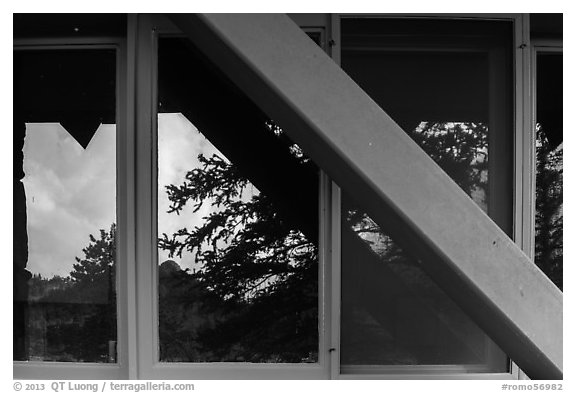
(520, 209)
(136, 215)
(149, 28)
(537, 46)
(78, 370)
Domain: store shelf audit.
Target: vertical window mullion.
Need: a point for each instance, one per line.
(144, 198)
(127, 350)
(334, 41)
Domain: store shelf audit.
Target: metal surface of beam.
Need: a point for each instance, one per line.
(403, 190)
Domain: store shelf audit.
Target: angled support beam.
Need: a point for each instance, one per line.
(402, 189)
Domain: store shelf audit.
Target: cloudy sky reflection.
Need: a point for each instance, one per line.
(179, 144)
(71, 191)
(70, 194)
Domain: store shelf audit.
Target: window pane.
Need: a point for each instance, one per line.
(440, 88)
(237, 224)
(549, 165)
(64, 205)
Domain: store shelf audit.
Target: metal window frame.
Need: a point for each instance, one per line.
(536, 46)
(148, 28)
(124, 258)
(520, 211)
(136, 221)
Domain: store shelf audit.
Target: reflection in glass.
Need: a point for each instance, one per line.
(549, 166)
(237, 224)
(64, 206)
(392, 312)
(438, 89)
(461, 149)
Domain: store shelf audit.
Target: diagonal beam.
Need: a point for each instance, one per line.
(402, 189)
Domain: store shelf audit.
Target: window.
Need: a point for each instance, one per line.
(210, 245)
(66, 309)
(249, 305)
(441, 81)
(67, 132)
(237, 221)
(549, 162)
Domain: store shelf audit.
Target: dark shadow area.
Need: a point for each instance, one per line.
(76, 88)
(547, 26)
(69, 25)
(549, 98)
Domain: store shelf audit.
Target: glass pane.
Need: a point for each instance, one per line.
(237, 224)
(64, 205)
(549, 166)
(439, 87)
